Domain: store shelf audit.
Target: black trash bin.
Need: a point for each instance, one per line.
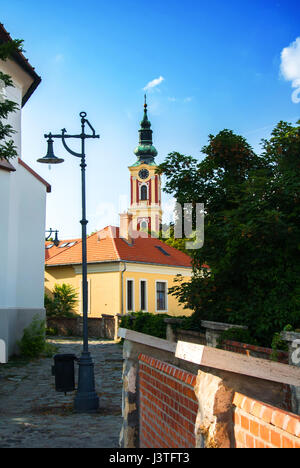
(64, 372)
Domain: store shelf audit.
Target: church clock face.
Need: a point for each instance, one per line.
(143, 174)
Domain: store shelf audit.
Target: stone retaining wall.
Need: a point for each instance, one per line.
(105, 326)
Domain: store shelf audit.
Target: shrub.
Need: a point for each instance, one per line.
(51, 331)
(62, 303)
(237, 334)
(33, 341)
(145, 322)
(278, 344)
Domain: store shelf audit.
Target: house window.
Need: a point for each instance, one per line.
(161, 295)
(130, 290)
(144, 192)
(143, 295)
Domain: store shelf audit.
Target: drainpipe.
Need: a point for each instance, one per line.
(122, 289)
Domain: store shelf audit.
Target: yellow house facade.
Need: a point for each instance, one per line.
(121, 285)
(106, 288)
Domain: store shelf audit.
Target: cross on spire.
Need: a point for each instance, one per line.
(145, 151)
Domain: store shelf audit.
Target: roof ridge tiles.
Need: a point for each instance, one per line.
(105, 245)
(78, 241)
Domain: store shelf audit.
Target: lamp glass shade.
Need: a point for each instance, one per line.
(56, 241)
(50, 157)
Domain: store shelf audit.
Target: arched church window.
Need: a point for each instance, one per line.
(144, 192)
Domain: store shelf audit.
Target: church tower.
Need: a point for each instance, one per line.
(145, 184)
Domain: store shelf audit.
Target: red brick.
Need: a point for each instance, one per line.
(297, 430)
(259, 444)
(245, 423)
(236, 418)
(238, 400)
(188, 392)
(193, 381)
(249, 441)
(254, 428)
(256, 410)
(265, 433)
(278, 418)
(247, 405)
(290, 425)
(239, 436)
(266, 414)
(276, 439)
(287, 442)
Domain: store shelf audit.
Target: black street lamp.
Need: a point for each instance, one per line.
(56, 241)
(86, 399)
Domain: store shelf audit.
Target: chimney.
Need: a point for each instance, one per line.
(126, 227)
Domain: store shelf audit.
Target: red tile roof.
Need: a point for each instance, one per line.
(53, 251)
(107, 246)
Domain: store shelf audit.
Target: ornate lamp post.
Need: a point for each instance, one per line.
(86, 399)
(56, 241)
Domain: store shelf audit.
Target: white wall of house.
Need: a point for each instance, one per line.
(22, 234)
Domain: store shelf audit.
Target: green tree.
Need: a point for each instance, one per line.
(62, 303)
(252, 236)
(168, 236)
(7, 147)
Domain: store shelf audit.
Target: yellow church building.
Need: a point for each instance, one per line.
(128, 269)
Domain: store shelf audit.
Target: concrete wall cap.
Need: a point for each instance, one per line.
(219, 325)
(290, 336)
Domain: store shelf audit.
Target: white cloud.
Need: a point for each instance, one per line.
(290, 67)
(184, 100)
(152, 84)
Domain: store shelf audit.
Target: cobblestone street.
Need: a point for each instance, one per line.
(34, 415)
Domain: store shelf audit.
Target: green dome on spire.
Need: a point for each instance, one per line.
(145, 151)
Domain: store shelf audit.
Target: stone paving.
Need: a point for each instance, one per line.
(34, 415)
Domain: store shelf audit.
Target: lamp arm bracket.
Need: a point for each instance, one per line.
(78, 155)
(93, 130)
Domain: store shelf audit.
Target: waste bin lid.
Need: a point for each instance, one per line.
(64, 357)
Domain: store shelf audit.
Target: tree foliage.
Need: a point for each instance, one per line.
(62, 301)
(252, 230)
(7, 147)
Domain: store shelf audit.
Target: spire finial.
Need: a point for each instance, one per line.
(145, 151)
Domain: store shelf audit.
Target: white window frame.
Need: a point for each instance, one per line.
(144, 220)
(167, 302)
(144, 184)
(133, 295)
(89, 297)
(146, 295)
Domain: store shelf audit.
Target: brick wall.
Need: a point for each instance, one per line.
(168, 411)
(258, 425)
(168, 405)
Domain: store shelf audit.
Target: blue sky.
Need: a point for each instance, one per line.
(220, 67)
